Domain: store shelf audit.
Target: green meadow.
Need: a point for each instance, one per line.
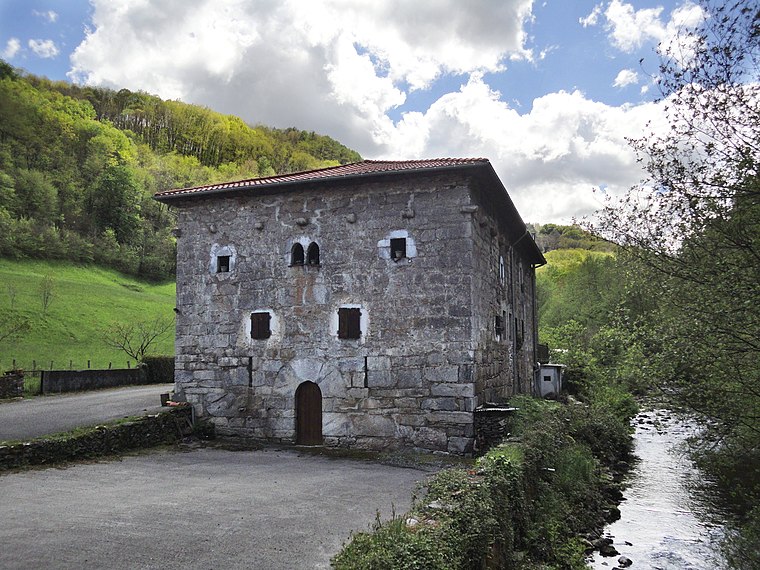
(85, 301)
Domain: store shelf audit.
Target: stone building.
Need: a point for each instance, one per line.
(370, 305)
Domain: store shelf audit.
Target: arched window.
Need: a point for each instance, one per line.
(312, 254)
(296, 254)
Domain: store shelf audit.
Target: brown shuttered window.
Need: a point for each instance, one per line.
(349, 323)
(260, 328)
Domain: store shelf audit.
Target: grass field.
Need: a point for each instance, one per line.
(85, 301)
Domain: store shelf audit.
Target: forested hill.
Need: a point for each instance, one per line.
(555, 236)
(79, 167)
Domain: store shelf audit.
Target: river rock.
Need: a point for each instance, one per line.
(612, 514)
(601, 541)
(624, 561)
(608, 550)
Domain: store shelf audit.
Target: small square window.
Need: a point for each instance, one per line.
(222, 263)
(349, 323)
(499, 326)
(260, 325)
(398, 248)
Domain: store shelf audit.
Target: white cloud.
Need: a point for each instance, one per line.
(11, 48)
(550, 159)
(625, 78)
(335, 66)
(341, 67)
(593, 18)
(49, 15)
(630, 29)
(45, 49)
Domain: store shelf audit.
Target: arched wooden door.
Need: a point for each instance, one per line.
(309, 414)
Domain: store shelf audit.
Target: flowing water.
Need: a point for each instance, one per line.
(661, 526)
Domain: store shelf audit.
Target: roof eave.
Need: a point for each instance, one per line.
(276, 186)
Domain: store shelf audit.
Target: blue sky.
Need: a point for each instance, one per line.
(548, 90)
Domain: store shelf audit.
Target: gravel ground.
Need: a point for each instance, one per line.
(199, 508)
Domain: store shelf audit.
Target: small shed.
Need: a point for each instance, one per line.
(549, 380)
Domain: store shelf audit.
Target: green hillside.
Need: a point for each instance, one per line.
(86, 299)
(79, 167)
(579, 285)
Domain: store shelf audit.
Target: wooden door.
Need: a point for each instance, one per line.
(309, 414)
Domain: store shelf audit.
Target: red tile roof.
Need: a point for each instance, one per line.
(364, 168)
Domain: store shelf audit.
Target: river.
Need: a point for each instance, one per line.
(660, 526)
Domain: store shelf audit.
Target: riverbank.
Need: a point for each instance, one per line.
(534, 500)
(660, 524)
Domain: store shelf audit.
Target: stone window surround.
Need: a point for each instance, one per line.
(364, 322)
(304, 251)
(275, 326)
(384, 245)
(217, 251)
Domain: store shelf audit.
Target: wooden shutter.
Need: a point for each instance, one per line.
(260, 325)
(349, 321)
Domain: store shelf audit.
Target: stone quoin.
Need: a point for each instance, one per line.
(372, 305)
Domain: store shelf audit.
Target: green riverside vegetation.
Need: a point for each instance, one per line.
(527, 503)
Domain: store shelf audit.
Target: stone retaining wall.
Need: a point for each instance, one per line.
(491, 426)
(57, 381)
(148, 431)
(11, 385)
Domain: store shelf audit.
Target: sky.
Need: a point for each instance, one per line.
(548, 90)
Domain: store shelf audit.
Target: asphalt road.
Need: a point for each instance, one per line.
(206, 509)
(33, 417)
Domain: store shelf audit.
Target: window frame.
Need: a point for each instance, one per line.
(223, 266)
(261, 325)
(398, 241)
(312, 254)
(349, 323)
(297, 255)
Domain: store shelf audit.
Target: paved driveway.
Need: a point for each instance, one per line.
(207, 508)
(33, 417)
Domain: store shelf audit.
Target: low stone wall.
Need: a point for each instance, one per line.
(491, 426)
(11, 385)
(57, 381)
(148, 431)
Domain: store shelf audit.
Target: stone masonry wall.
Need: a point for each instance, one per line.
(11, 385)
(504, 356)
(408, 381)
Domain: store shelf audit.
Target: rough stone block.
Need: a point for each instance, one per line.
(374, 425)
(407, 377)
(431, 439)
(375, 363)
(441, 374)
(407, 403)
(380, 379)
(446, 404)
(410, 419)
(460, 445)
(450, 417)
